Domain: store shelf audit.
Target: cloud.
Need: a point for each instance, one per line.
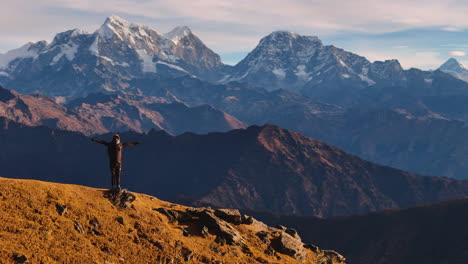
(457, 53)
(452, 29)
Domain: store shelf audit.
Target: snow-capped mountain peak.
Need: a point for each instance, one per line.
(292, 61)
(453, 65)
(283, 34)
(455, 68)
(178, 33)
(123, 29)
(117, 49)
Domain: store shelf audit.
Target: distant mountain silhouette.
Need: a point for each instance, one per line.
(261, 168)
(434, 233)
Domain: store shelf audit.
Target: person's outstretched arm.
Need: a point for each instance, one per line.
(126, 144)
(100, 141)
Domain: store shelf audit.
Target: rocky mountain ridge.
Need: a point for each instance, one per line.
(102, 113)
(260, 168)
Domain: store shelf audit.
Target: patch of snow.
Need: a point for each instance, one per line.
(177, 34)
(106, 31)
(342, 63)
(124, 30)
(301, 73)
(60, 99)
(231, 98)
(77, 32)
(19, 53)
(428, 80)
(94, 47)
(68, 50)
(172, 66)
(365, 71)
(345, 75)
(225, 78)
(123, 64)
(2, 73)
(280, 73)
(366, 79)
(168, 57)
(147, 61)
(142, 32)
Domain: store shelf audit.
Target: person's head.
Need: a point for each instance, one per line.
(116, 138)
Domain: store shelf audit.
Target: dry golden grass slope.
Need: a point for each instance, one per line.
(32, 228)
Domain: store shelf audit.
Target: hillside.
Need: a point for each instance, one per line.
(259, 168)
(45, 222)
(431, 234)
(102, 113)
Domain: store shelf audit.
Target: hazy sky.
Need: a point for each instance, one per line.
(418, 33)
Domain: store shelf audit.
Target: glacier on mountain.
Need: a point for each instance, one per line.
(24, 51)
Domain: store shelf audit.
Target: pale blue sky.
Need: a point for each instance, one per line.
(419, 33)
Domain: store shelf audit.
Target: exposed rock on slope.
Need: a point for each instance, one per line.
(94, 231)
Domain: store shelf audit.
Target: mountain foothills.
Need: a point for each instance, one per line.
(101, 113)
(260, 168)
(61, 223)
(433, 234)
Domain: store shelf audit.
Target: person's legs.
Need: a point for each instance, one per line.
(113, 176)
(118, 173)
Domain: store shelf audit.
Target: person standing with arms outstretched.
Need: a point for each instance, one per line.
(114, 150)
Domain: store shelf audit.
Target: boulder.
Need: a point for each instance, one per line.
(120, 220)
(333, 257)
(290, 246)
(120, 198)
(313, 248)
(232, 216)
(220, 228)
(187, 254)
(205, 231)
(78, 227)
(263, 235)
(61, 209)
(247, 220)
(172, 215)
(95, 226)
(20, 258)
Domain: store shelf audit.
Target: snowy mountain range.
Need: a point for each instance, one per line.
(77, 63)
(126, 69)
